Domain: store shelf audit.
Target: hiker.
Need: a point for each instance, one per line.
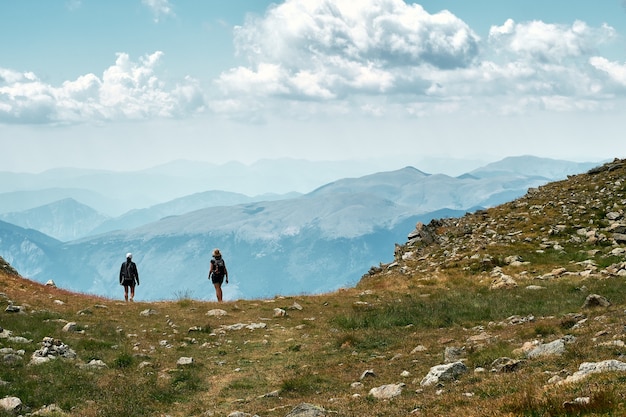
(129, 276)
(217, 273)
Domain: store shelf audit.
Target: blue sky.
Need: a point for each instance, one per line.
(129, 84)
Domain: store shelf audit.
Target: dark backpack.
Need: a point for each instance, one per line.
(220, 267)
(128, 272)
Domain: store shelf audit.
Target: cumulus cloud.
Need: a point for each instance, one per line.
(328, 49)
(159, 8)
(545, 42)
(127, 90)
(342, 50)
(617, 72)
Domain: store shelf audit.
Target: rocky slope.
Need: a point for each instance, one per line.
(582, 216)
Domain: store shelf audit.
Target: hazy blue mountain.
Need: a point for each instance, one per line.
(551, 169)
(139, 217)
(136, 189)
(426, 193)
(15, 201)
(64, 220)
(32, 253)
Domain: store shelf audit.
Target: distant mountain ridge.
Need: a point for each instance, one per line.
(315, 242)
(64, 220)
(130, 190)
(182, 205)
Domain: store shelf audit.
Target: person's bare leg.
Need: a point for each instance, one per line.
(132, 293)
(218, 291)
(125, 292)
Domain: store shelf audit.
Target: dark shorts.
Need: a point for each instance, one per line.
(217, 280)
(128, 284)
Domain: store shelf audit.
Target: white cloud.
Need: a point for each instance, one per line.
(330, 49)
(371, 50)
(615, 71)
(545, 42)
(127, 91)
(341, 57)
(159, 8)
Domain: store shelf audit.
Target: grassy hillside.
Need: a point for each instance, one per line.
(478, 289)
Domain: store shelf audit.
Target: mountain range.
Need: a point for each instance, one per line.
(290, 243)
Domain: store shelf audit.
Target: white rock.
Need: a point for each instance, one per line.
(216, 312)
(11, 404)
(183, 360)
(386, 391)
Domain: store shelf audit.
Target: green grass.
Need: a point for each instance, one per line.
(469, 306)
(306, 383)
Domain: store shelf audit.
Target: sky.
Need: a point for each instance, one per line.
(130, 84)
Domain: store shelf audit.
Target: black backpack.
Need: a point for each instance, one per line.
(129, 272)
(220, 267)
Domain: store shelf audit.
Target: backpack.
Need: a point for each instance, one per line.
(220, 267)
(129, 271)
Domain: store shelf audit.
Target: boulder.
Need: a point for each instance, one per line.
(447, 372)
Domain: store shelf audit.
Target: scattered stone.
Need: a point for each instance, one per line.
(419, 348)
(13, 309)
(362, 306)
(279, 312)
(505, 365)
(385, 392)
(11, 404)
(535, 287)
(553, 348)
(595, 300)
(445, 372)
(19, 339)
(502, 281)
(94, 364)
(513, 259)
(217, 312)
(241, 414)
(576, 404)
(148, 312)
(368, 373)
(513, 320)
(70, 327)
(273, 394)
(453, 354)
(587, 368)
(239, 326)
(50, 410)
(50, 283)
(184, 361)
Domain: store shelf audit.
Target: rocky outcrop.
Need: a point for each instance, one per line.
(7, 268)
(585, 210)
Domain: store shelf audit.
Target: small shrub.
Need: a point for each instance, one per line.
(184, 297)
(304, 384)
(544, 330)
(485, 357)
(124, 360)
(186, 380)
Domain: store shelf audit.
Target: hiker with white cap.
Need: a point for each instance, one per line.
(129, 276)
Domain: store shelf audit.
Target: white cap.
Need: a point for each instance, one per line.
(129, 255)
